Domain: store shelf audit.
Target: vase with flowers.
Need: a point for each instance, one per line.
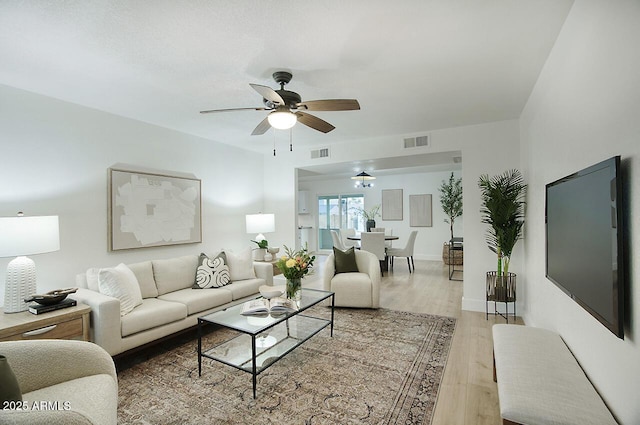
(294, 265)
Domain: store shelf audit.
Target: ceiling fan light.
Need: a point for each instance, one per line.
(363, 176)
(282, 120)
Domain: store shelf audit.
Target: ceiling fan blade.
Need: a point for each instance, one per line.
(314, 122)
(330, 105)
(262, 127)
(233, 109)
(268, 93)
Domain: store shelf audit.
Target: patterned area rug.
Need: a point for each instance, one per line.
(380, 367)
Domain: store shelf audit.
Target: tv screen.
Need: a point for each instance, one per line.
(585, 240)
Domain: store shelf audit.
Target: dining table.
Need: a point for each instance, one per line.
(357, 237)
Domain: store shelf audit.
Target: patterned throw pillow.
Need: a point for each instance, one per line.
(212, 272)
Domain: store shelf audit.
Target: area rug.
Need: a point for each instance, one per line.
(380, 367)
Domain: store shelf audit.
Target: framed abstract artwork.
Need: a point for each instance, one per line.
(392, 204)
(146, 210)
(420, 211)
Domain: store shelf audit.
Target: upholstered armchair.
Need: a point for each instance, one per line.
(354, 289)
(62, 382)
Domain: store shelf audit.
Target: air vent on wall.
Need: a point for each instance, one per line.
(320, 153)
(415, 142)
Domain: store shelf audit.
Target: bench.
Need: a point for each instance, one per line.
(540, 382)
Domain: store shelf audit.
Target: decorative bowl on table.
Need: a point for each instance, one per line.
(269, 292)
(273, 252)
(51, 297)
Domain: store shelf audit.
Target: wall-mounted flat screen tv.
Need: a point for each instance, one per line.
(584, 237)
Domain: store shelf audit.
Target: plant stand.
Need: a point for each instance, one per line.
(501, 289)
(456, 249)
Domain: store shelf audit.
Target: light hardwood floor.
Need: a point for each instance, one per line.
(468, 395)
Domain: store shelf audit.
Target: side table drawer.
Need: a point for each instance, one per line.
(64, 330)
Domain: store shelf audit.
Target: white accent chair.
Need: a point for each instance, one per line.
(337, 240)
(356, 289)
(407, 251)
(80, 376)
(374, 243)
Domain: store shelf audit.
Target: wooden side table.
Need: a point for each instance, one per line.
(67, 323)
(276, 270)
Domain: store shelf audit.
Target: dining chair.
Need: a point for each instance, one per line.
(337, 240)
(345, 233)
(407, 251)
(388, 232)
(374, 243)
(377, 229)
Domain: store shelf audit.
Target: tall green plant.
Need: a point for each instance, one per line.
(503, 209)
(451, 200)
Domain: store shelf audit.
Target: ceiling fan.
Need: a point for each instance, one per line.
(287, 107)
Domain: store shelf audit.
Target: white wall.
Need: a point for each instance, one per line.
(54, 161)
(430, 239)
(586, 108)
(487, 148)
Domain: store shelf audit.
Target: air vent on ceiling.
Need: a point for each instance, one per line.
(320, 153)
(415, 142)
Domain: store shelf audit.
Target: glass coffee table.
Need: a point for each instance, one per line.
(263, 340)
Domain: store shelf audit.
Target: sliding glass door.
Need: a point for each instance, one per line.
(337, 212)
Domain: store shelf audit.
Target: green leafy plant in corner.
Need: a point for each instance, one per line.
(451, 200)
(503, 209)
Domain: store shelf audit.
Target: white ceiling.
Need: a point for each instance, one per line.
(414, 65)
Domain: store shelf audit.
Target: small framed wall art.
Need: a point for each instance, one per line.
(420, 211)
(147, 209)
(392, 204)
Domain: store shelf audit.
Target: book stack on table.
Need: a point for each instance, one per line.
(39, 308)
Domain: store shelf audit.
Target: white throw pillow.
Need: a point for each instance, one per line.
(92, 279)
(240, 265)
(120, 282)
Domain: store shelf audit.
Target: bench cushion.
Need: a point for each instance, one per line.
(540, 382)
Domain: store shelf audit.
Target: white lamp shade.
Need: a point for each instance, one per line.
(282, 120)
(260, 223)
(21, 236)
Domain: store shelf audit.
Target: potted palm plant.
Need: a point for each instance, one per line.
(451, 201)
(503, 210)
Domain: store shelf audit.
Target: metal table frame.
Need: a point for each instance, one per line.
(455, 244)
(293, 341)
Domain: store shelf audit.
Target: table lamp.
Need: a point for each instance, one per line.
(260, 223)
(21, 236)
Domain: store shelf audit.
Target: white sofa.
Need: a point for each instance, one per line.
(169, 304)
(62, 383)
